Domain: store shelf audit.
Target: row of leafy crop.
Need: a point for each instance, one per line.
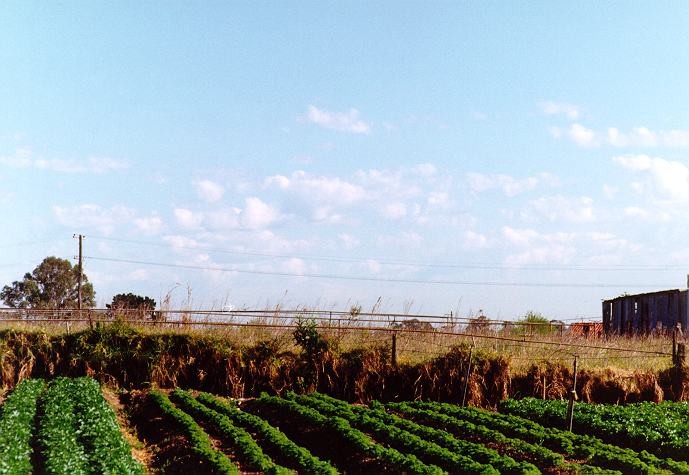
(543, 444)
(16, 427)
(77, 431)
(235, 427)
(353, 438)
(436, 438)
(428, 444)
(662, 429)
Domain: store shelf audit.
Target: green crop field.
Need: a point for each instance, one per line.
(66, 426)
(62, 427)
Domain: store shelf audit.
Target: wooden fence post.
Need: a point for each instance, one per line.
(572, 397)
(681, 355)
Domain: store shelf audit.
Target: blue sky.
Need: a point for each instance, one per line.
(438, 155)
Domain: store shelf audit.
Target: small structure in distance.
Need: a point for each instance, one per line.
(651, 312)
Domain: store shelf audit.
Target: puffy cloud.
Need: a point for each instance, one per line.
(92, 216)
(570, 111)
(187, 218)
(149, 226)
(583, 136)
(440, 199)
(610, 191)
(533, 247)
(318, 189)
(180, 242)
(668, 178)
(294, 265)
(340, 121)
(575, 210)
(510, 186)
(209, 191)
(613, 136)
(394, 210)
(550, 254)
(474, 240)
(105, 164)
(257, 214)
(519, 237)
(224, 218)
(23, 158)
(348, 241)
(636, 212)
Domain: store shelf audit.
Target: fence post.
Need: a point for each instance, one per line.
(681, 354)
(394, 350)
(674, 346)
(467, 375)
(572, 397)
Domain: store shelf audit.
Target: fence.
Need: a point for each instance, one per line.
(410, 337)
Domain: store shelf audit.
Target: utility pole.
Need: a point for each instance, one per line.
(81, 269)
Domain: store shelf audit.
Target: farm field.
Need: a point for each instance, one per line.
(662, 429)
(62, 427)
(319, 434)
(67, 426)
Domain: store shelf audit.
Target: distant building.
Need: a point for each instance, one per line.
(646, 313)
(586, 329)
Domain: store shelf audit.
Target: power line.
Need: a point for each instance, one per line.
(376, 279)
(532, 267)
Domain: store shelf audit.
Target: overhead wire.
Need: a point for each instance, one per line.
(383, 261)
(377, 279)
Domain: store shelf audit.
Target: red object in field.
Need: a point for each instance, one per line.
(586, 329)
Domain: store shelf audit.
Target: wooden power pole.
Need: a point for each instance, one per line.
(81, 269)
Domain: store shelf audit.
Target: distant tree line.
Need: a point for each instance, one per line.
(54, 285)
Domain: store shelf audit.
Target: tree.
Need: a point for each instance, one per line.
(142, 306)
(53, 284)
(131, 301)
(533, 323)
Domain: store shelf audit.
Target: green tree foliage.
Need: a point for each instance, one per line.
(52, 285)
(533, 323)
(131, 301)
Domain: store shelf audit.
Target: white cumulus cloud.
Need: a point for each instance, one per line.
(93, 216)
(209, 191)
(149, 226)
(23, 158)
(561, 208)
(670, 179)
(583, 136)
(570, 111)
(257, 214)
(318, 189)
(509, 185)
(187, 218)
(637, 137)
(341, 121)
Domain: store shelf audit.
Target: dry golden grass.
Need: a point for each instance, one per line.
(415, 347)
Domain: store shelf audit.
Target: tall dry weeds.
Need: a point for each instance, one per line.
(222, 363)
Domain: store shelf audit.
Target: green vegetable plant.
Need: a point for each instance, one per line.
(246, 447)
(397, 437)
(355, 438)
(212, 460)
(16, 426)
(271, 436)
